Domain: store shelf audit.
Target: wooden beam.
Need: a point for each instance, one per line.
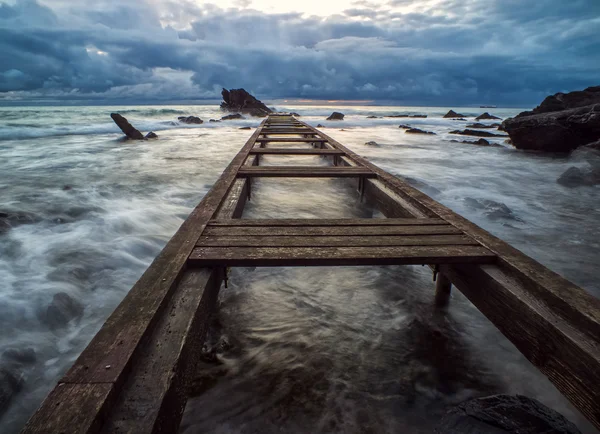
(291, 140)
(335, 241)
(336, 256)
(304, 172)
(295, 151)
(329, 222)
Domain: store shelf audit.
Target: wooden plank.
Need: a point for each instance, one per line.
(291, 140)
(90, 402)
(336, 256)
(337, 241)
(329, 222)
(288, 131)
(304, 172)
(154, 396)
(278, 231)
(295, 151)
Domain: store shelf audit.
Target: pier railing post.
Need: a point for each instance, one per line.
(443, 288)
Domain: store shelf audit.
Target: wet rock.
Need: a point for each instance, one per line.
(492, 209)
(480, 142)
(336, 116)
(213, 120)
(406, 127)
(504, 414)
(453, 114)
(190, 120)
(486, 115)
(23, 356)
(10, 384)
(67, 188)
(557, 131)
(232, 117)
(418, 131)
(479, 125)
(476, 133)
(126, 127)
(295, 114)
(245, 128)
(63, 309)
(576, 177)
(151, 135)
(372, 143)
(372, 117)
(11, 219)
(238, 100)
(320, 126)
(565, 101)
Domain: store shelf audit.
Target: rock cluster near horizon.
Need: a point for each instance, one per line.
(240, 101)
(561, 123)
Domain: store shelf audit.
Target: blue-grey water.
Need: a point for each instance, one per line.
(83, 213)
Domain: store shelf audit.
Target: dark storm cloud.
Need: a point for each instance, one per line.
(451, 52)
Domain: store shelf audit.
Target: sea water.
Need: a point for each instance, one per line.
(348, 349)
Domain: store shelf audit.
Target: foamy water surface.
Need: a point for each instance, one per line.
(299, 349)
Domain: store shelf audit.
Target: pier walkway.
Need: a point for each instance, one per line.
(134, 374)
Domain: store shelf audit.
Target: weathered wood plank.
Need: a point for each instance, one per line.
(335, 241)
(223, 231)
(291, 140)
(76, 408)
(330, 256)
(295, 151)
(329, 222)
(304, 172)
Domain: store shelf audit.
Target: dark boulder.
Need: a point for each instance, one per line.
(576, 177)
(480, 142)
(479, 125)
(245, 128)
(504, 414)
(485, 116)
(406, 127)
(231, 117)
(320, 126)
(406, 116)
(372, 117)
(10, 219)
(336, 116)
(11, 383)
(558, 131)
(151, 135)
(126, 127)
(566, 101)
(453, 114)
(238, 100)
(63, 309)
(214, 120)
(418, 131)
(492, 209)
(476, 133)
(372, 143)
(190, 120)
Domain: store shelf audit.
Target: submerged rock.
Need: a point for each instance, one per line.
(486, 115)
(372, 117)
(480, 142)
(10, 219)
(476, 133)
(576, 177)
(213, 120)
(336, 116)
(245, 128)
(418, 131)
(190, 120)
(63, 309)
(126, 127)
(231, 117)
(492, 209)
(406, 127)
(453, 114)
(238, 100)
(504, 414)
(406, 116)
(479, 125)
(320, 126)
(151, 135)
(557, 131)
(372, 143)
(11, 382)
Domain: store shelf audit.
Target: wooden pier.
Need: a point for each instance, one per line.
(134, 375)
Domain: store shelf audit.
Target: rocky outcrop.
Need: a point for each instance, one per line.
(63, 309)
(418, 131)
(336, 116)
(504, 414)
(480, 142)
(320, 126)
(406, 127)
(566, 101)
(480, 125)
(476, 133)
(126, 127)
(452, 114)
(406, 116)
(232, 117)
(557, 131)
(190, 120)
(485, 116)
(238, 100)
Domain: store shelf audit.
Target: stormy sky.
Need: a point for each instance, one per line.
(438, 52)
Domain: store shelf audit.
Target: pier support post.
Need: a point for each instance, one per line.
(443, 287)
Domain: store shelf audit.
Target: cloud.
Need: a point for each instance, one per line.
(428, 51)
